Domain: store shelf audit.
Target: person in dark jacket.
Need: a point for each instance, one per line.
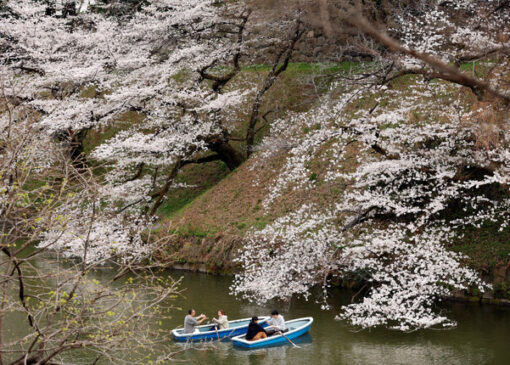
(255, 330)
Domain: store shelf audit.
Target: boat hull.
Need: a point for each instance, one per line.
(276, 340)
(237, 327)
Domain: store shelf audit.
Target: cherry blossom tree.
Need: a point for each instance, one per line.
(429, 160)
(414, 183)
(170, 62)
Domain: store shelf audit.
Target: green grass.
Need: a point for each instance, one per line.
(91, 92)
(181, 77)
(203, 177)
(487, 250)
(486, 247)
(258, 223)
(189, 231)
(479, 68)
(307, 68)
(35, 184)
(97, 137)
(482, 64)
(176, 202)
(262, 222)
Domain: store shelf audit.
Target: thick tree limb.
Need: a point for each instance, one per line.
(360, 218)
(219, 81)
(280, 65)
(160, 195)
(30, 69)
(138, 173)
(442, 69)
(228, 154)
(207, 159)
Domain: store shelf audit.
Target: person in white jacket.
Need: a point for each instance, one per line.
(276, 323)
(222, 320)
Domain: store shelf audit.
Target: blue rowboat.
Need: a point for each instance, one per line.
(207, 331)
(296, 328)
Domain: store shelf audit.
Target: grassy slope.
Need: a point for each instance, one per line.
(233, 206)
(296, 90)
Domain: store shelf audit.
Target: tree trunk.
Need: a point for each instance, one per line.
(160, 195)
(280, 64)
(227, 154)
(76, 145)
(74, 142)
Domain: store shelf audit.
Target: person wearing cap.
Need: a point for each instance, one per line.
(255, 331)
(276, 323)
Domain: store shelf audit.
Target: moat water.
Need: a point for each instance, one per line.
(482, 335)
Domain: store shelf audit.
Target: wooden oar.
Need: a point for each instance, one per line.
(288, 339)
(217, 334)
(215, 328)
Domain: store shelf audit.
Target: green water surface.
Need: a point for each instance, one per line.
(481, 337)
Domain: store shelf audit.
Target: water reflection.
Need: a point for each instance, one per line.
(417, 354)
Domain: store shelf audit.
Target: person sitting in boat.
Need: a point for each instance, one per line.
(276, 323)
(222, 321)
(190, 322)
(255, 331)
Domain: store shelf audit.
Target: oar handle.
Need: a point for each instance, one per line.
(288, 339)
